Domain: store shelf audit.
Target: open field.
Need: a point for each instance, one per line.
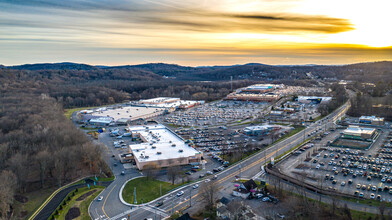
(146, 190)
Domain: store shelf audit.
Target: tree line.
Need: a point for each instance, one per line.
(40, 148)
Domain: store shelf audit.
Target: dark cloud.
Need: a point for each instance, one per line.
(127, 14)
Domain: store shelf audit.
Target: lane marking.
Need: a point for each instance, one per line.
(104, 202)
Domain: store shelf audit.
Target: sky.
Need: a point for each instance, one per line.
(195, 33)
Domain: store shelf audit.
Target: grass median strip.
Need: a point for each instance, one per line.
(76, 203)
(146, 190)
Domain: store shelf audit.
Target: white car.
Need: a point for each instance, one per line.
(100, 198)
(343, 183)
(207, 180)
(333, 169)
(266, 199)
(180, 193)
(196, 186)
(318, 166)
(372, 196)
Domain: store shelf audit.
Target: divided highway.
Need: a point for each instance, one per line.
(112, 208)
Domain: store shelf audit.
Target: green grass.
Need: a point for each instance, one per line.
(71, 203)
(291, 133)
(68, 112)
(367, 201)
(35, 199)
(146, 189)
(84, 215)
(362, 215)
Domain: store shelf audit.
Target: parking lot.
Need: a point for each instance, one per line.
(363, 173)
(216, 113)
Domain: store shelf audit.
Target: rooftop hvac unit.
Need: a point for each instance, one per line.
(159, 153)
(173, 145)
(153, 147)
(180, 150)
(146, 157)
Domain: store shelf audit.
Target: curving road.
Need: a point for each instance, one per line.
(112, 208)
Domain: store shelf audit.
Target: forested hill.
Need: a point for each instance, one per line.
(369, 72)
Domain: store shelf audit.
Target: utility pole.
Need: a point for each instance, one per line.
(231, 83)
(240, 169)
(160, 189)
(135, 195)
(190, 198)
(172, 206)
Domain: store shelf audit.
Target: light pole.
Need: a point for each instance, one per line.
(190, 198)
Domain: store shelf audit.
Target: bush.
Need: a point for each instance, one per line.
(60, 207)
(69, 198)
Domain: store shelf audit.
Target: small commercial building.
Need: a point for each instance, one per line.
(373, 120)
(360, 133)
(161, 147)
(159, 100)
(313, 99)
(101, 121)
(260, 130)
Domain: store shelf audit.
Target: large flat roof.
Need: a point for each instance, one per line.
(356, 130)
(159, 139)
(132, 112)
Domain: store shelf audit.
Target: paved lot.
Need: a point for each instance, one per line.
(345, 170)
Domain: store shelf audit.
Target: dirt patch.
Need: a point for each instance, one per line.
(23, 213)
(300, 166)
(82, 197)
(72, 213)
(21, 199)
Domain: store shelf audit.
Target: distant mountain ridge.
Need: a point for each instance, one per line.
(372, 71)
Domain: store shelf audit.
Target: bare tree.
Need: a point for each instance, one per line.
(43, 159)
(208, 192)
(381, 208)
(150, 170)
(173, 173)
(8, 182)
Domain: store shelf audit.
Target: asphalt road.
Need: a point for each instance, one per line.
(112, 208)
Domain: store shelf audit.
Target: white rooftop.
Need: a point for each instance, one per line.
(373, 118)
(159, 139)
(259, 127)
(159, 100)
(127, 112)
(356, 130)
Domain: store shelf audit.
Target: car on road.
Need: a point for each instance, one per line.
(189, 173)
(215, 177)
(100, 198)
(180, 193)
(159, 203)
(207, 180)
(123, 172)
(209, 172)
(196, 186)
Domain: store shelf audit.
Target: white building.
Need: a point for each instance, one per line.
(313, 99)
(371, 120)
(161, 147)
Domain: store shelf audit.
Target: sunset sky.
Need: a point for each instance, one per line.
(195, 33)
